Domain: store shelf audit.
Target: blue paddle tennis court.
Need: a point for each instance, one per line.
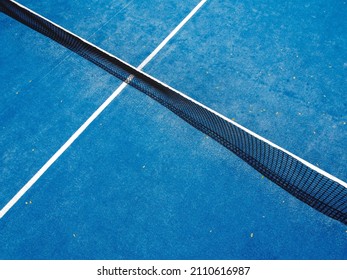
(133, 180)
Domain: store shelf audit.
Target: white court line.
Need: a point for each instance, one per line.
(169, 37)
(84, 126)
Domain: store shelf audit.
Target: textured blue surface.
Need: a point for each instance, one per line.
(142, 184)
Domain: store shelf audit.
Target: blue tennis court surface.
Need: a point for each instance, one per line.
(139, 182)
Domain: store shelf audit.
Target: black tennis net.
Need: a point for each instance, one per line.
(311, 185)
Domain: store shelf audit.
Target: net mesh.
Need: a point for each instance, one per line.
(323, 193)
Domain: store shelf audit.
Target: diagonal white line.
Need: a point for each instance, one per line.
(84, 126)
(172, 34)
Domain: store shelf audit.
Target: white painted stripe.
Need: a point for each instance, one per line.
(84, 126)
(62, 149)
(172, 34)
(91, 44)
